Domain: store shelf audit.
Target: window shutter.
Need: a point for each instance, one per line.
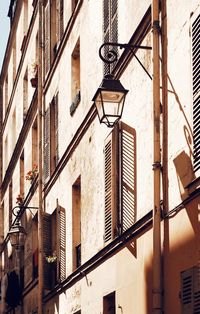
(127, 186)
(61, 243)
(196, 289)
(110, 28)
(111, 179)
(47, 51)
(196, 91)
(59, 20)
(56, 128)
(190, 290)
(47, 145)
(46, 248)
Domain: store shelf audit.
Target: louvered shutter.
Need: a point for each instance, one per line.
(127, 185)
(110, 29)
(61, 243)
(47, 249)
(59, 20)
(114, 26)
(111, 184)
(196, 91)
(47, 51)
(196, 298)
(56, 128)
(47, 145)
(190, 291)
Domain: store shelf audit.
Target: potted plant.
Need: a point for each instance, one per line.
(19, 199)
(31, 174)
(34, 78)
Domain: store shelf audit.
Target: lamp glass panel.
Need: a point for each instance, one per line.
(112, 96)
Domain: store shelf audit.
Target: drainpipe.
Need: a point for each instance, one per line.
(157, 287)
(40, 167)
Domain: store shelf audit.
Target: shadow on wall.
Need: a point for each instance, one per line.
(185, 173)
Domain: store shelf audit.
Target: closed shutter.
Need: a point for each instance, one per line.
(111, 184)
(196, 91)
(47, 145)
(47, 249)
(61, 243)
(56, 128)
(59, 20)
(196, 299)
(110, 29)
(190, 291)
(127, 186)
(47, 51)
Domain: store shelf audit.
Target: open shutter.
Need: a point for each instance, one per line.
(196, 90)
(61, 28)
(111, 184)
(47, 51)
(47, 249)
(61, 243)
(47, 145)
(127, 186)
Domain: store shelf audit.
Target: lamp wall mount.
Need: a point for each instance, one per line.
(109, 56)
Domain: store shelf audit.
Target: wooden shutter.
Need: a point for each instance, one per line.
(110, 28)
(47, 249)
(47, 145)
(190, 290)
(127, 185)
(196, 90)
(47, 51)
(59, 20)
(56, 128)
(120, 180)
(61, 243)
(111, 184)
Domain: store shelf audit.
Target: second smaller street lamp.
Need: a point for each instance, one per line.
(109, 100)
(17, 235)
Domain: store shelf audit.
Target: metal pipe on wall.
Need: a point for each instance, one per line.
(40, 159)
(157, 284)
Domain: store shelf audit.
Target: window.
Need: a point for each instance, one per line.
(110, 28)
(196, 90)
(53, 30)
(120, 180)
(76, 223)
(5, 94)
(51, 149)
(75, 78)
(54, 237)
(190, 291)
(109, 304)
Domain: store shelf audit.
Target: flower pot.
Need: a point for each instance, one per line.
(34, 81)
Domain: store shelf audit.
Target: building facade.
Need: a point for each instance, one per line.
(110, 215)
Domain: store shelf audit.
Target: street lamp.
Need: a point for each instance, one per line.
(17, 233)
(110, 96)
(109, 100)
